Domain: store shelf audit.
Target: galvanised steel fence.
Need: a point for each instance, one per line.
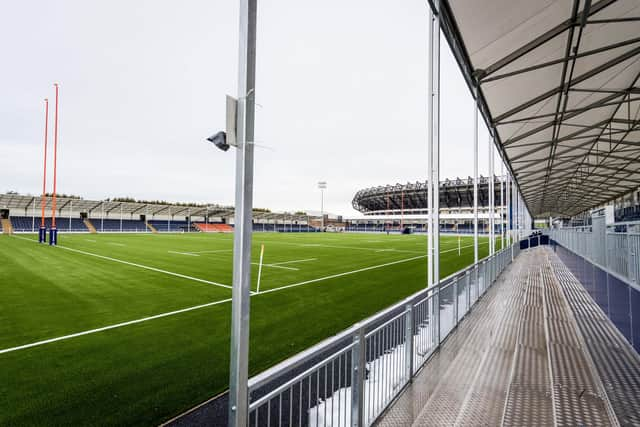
(350, 379)
(617, 252)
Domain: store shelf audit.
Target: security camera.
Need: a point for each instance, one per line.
(219, 140)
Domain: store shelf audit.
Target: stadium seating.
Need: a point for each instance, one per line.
(163, 226)
(213, 228)
(113, 225)
(630, 213)
(29, 224)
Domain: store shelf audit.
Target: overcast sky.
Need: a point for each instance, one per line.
(341, 85)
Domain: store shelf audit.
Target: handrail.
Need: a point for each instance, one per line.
(389, 346)
(296, 360)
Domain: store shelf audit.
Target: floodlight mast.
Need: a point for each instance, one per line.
(241, 292)
(322, 185)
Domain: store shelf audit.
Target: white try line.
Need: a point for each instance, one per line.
(146, 267)
(294, 261)
(196, 307)
(116, 244)
(197, 253)
(276, 266)
(348, 247)
(347, 273)
(183, 253)
(117, 325)
(133, 264)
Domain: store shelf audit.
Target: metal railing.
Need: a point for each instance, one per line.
(617, 252)
(350, 379)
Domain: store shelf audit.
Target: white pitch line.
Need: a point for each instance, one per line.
(89, 240)
(295, 260)
(333, 276)
(171, 313)
(146, 267)
(183, 253)
(276, 266)
(116, 244)
(117, 325)
(196, 307)
(210, 252)
(347, 247)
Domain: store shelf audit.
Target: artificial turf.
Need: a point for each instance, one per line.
(147, 372)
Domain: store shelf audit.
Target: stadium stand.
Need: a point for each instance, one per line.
(29, 223)
(629, 213)
(456, 193)
(213, 228)
(171, 227)
(113, 225)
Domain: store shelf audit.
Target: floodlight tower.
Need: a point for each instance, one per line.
(322, 185)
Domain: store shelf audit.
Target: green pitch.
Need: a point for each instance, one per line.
(134, 329)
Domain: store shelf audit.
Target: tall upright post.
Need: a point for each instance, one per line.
(509, 210)
(102, 218)
(241, 293)
(501, 204)
(322, 185)
(121, 217)
(70, 213)
(491, 198)
(42, 236)
(434, 146)
(475, 173)
(53, 233)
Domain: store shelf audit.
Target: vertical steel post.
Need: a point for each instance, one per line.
(241, 293)
(491, 198)
(502, 231)
(509, 212)
(475, 173)
(358, 363)
(434, 146)
(121, 217)
(70, 213)
(408, 342)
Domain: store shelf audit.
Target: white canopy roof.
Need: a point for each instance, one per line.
(558, 85)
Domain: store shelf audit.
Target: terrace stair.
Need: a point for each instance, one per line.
(7, 228)
(151, 227)
(90, 226)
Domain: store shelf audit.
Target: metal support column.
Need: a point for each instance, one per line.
(239, 354)
(492, 213)
(509, 211)
(475, 173)
(433, 150)
(502, 230)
